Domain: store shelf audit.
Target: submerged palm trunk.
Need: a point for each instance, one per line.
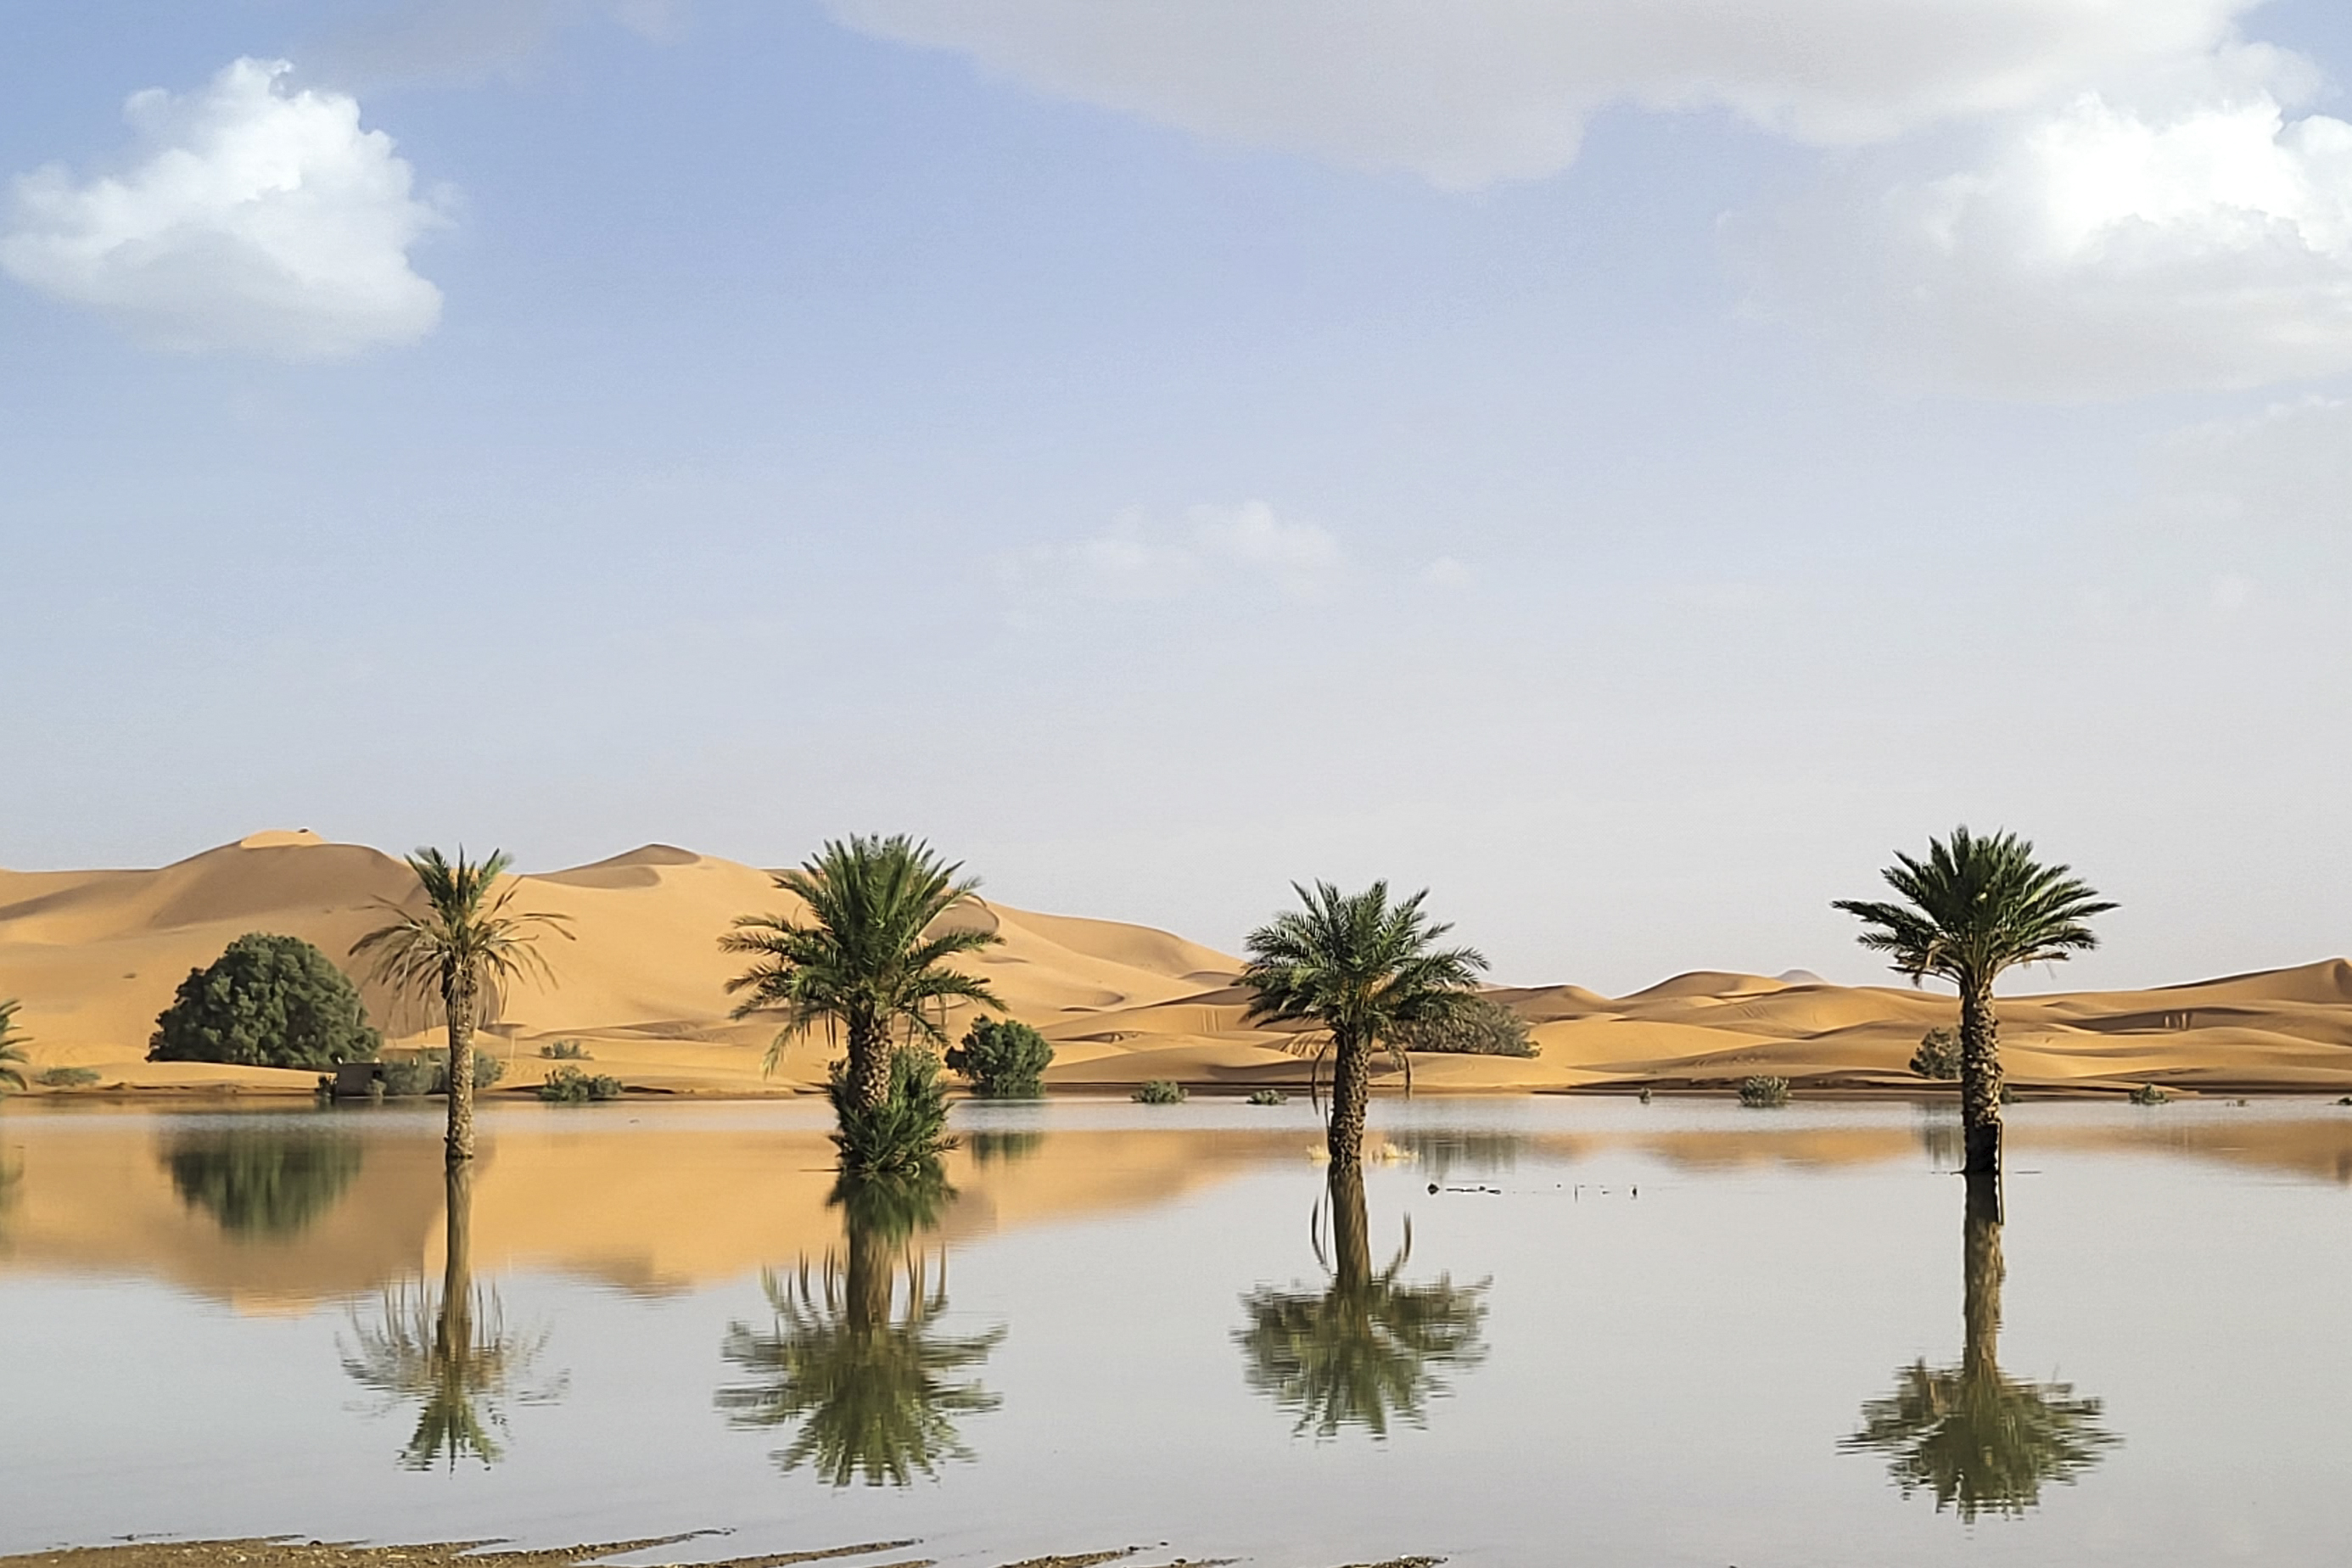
(1351, 1232)
(458, 1002)
(869, 1062)
(1980, 1082)
(1351, 1085)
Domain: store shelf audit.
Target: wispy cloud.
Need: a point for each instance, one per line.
(1234, 547)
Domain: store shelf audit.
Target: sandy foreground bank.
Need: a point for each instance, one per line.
(272, 1553)
(95, 955)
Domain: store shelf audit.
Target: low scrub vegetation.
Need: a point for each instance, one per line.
(1268, 1097)
(1763, 1091)
(265, 1002)
(1001, 1060)
(566, 1051)
(67, 1078)
(570, 1086)
(2148, 1094)
(1160, 1091)
(1474, 1026)
(903, 1136)
(1938, 1055)
(427, 1072)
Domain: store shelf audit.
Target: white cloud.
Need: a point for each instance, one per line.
(2193, 235)
(254, 219)
(1469, 92)
(1217, 547)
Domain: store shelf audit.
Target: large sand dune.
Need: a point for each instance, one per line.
(95, 955)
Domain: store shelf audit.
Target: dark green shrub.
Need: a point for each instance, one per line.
(1938, 1055)
(1269, 1096)
(1160, 1091)
(255, 1182)
(427, 1072)
(67, 1078)
(1763, 1091)
(570, 1086)
(1474, 1026)
(1003, 1060)
(2148, 1094)
(905, 1134)
(266, 1002)
(566, 1051)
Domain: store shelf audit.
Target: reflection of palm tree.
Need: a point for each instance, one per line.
(1366, 1348)
(453, 1357)
(858, 1360)
(259, 1183)
(1981, 1441)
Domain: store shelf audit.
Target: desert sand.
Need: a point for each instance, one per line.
(95, 955)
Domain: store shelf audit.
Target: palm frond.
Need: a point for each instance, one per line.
(1977, 905)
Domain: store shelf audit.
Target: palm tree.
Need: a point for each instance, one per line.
(453, 1356)
(460, 953)
(1981, 1441)
(1361, 970)
(869, 964)
(12, 1049)
(1974, 908)
(855, 1356)
(1366, 1348)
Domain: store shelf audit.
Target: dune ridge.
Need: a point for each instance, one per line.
(95, 955)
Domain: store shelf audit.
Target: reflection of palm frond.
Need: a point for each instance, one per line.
(861, 1365)
(456, 1365)
(1367, 1349)
(1982, 1442)
(11, 1175)
(1361, 1357)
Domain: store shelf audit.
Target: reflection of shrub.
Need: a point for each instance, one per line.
(262, 1184)
(903, 1136)
(1938, 1055)
(2148, 1094)
(1007, 1147)
(1160, 1091)
(1764, 1090)
(1003, 1060)
(427, 1072)
(570, 1086)
(1268, 1097)
(266, 1002)
(67, 1078)
(566, 1051)
(1473, 1025)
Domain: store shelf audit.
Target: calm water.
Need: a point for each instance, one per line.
(1616, 1333)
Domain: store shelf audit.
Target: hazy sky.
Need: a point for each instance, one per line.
(1626, 465)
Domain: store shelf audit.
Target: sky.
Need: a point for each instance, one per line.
(1625, 465)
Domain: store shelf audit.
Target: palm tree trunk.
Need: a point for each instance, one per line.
(1981, 1272)
(458, 1000)
(869, 1062)
(1351, 1088)
(456, 1327)
(869, 1276)
(1980, 1082)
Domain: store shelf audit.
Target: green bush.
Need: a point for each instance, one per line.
(1003, 1060)
(266, 1002)
(2148, 1094)
(1269, 1096)
(67, 1078)
(566, 1051)
(427, 1072)
(1763, 1090)
(905, 1135)
(1938, 1055)
(1160, 1091)
(570, 1086)
(1474, 1026)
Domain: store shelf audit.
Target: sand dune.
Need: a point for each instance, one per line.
(95, 955)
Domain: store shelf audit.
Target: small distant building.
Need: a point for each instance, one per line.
(358, 1080)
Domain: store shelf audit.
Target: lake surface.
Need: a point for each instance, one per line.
(1677, 1334)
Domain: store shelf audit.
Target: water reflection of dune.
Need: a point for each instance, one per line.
(648, 1203)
